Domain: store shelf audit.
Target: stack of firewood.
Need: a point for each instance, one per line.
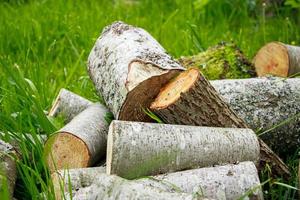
(205, 147)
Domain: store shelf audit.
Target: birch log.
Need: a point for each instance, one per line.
(128, 67)
(8, 169)
(68, 104)
(190, 99)
(93, 185)
(81, 143)
(277, 59)
(136, 149)
(221, 182)
(264, 103)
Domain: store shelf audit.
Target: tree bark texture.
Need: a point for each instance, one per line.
(68, 104)
(8, 169)
(277, 59)
(128, 67)
(82, 142)
(138, 149)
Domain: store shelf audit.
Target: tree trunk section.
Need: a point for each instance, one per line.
(264, 103)
(136, 149)
(190, 99)
(128, 67)
(81, 143)
(68, 104)
(277, 59)
(220, 182)
(8, 168)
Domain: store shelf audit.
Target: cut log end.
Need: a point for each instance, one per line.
(109, 152)
(142, 96)
(67, 151)
(53, 111)
(272, 59)
(172, 91)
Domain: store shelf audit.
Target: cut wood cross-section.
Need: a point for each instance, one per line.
(128, 68)
(81, 143)
(190, 99)
(278, 59)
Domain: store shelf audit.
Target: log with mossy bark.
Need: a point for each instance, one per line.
(68, 104)
(136, 149)
(81, 143)
(190, 99)
(128, 67)
(278, 59)
(265, 103)
(222, 61)
(8, 168)
(220, 182)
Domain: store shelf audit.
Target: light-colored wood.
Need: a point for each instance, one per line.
(137, 149)
(82, 142)
(8, 168)
(221, 182)
(277, 59)
(128, 68)
(68, 104)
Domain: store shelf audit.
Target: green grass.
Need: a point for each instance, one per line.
(44, 46)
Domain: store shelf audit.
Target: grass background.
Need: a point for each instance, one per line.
(44, 46)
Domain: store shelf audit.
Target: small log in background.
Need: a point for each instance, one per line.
(277, 59)
(136, 149)
(81, 143)
(68, 104)
(223, 61)
(190, 99)
(8, 169)
(128, 68)
(220, 182)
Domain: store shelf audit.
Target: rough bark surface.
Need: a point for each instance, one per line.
(68, 104)
(278, 59)
(8, 169)
(137, 149)
(92, 184)
(264, 103)
(128, 67)
(221, 182)
(87, 132)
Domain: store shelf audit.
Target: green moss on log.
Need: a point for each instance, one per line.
(223, 61)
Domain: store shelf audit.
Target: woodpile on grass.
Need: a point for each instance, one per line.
(206, 147)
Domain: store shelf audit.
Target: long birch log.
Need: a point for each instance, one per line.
(220, 182)
(277, 59)
(68, 104)
(81, 143)
(136, 149)
(264, 103)
(128, 67)
(8, 169)
(190, 99)
(91, 184)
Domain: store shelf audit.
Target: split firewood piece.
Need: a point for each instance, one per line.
(128, 67)
(220, 182)
(8, 168)
(136, 149)
(68, 104)
(223, 61)
(190, 99)
(277, 59)
(264, 103)
(81, 143)
(93, 184)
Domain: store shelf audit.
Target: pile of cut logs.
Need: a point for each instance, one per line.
(205, 146)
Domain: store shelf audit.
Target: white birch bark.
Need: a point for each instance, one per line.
(84, 138)
(136, 149)
(128, 67)
(264, 103)
(68, 104)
